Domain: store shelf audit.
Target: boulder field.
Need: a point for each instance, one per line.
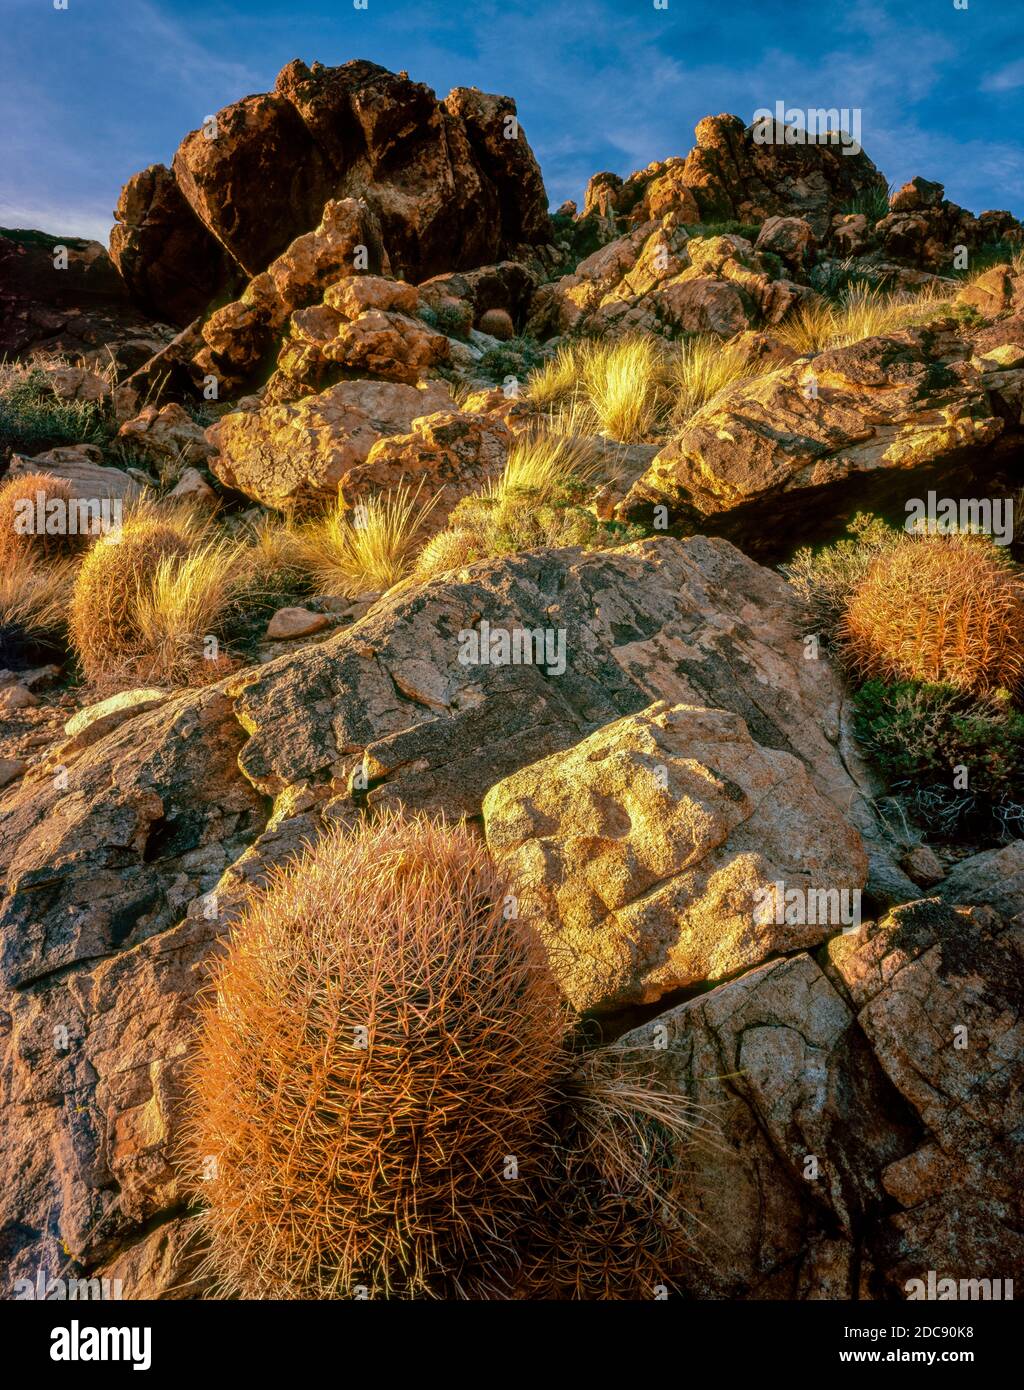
(336, 292)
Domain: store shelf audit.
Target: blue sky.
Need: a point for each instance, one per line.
(91, 93)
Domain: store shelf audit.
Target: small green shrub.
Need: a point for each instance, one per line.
(957, 761)
(824, 579)
(519, 520)
(454, 320)
(750, 231)
(873, 203)
(33, 419)
(518, 357)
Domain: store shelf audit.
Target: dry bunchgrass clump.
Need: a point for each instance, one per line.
(942, 608)
(543, 465)
(272, 565)
(701, 368)
(609, 387)
(364, 549)
(862, 312)
(145, 595)
(33, 604)
(24, 503)
(559, 379)
(381, 1053)
(623, 381)
(180, 606)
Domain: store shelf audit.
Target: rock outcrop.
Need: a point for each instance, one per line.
(453, 184)
(295, 453)
(127, 855)
(731, 176)
(656, 279)
(795, 452)
(867, 1108)
(445, 456)
(77, 309)
(922, 229)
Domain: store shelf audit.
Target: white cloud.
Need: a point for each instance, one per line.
(1005, 79)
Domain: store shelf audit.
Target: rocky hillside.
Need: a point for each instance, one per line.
(379, 548)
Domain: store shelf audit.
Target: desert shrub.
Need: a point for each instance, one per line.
(516, 358)
(748, 230)
(454, 320)
(835, 277)
(20, 493)
(382, 1038)
(33, 418)
(539, 501)
(955, 759)
(938, 608)
(825, 578)
(514, 521)
(354, 551)
(873, 203)
(983, 258)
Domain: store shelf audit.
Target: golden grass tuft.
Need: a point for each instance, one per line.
(179, 609)
(272, 563)
(560, 378)
(379, 1044)
(622, 381)
(611, 387)
(544, 464)
(33, 599)
(945, 609)
(701, 368)
(862, 312)
(365, 550)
